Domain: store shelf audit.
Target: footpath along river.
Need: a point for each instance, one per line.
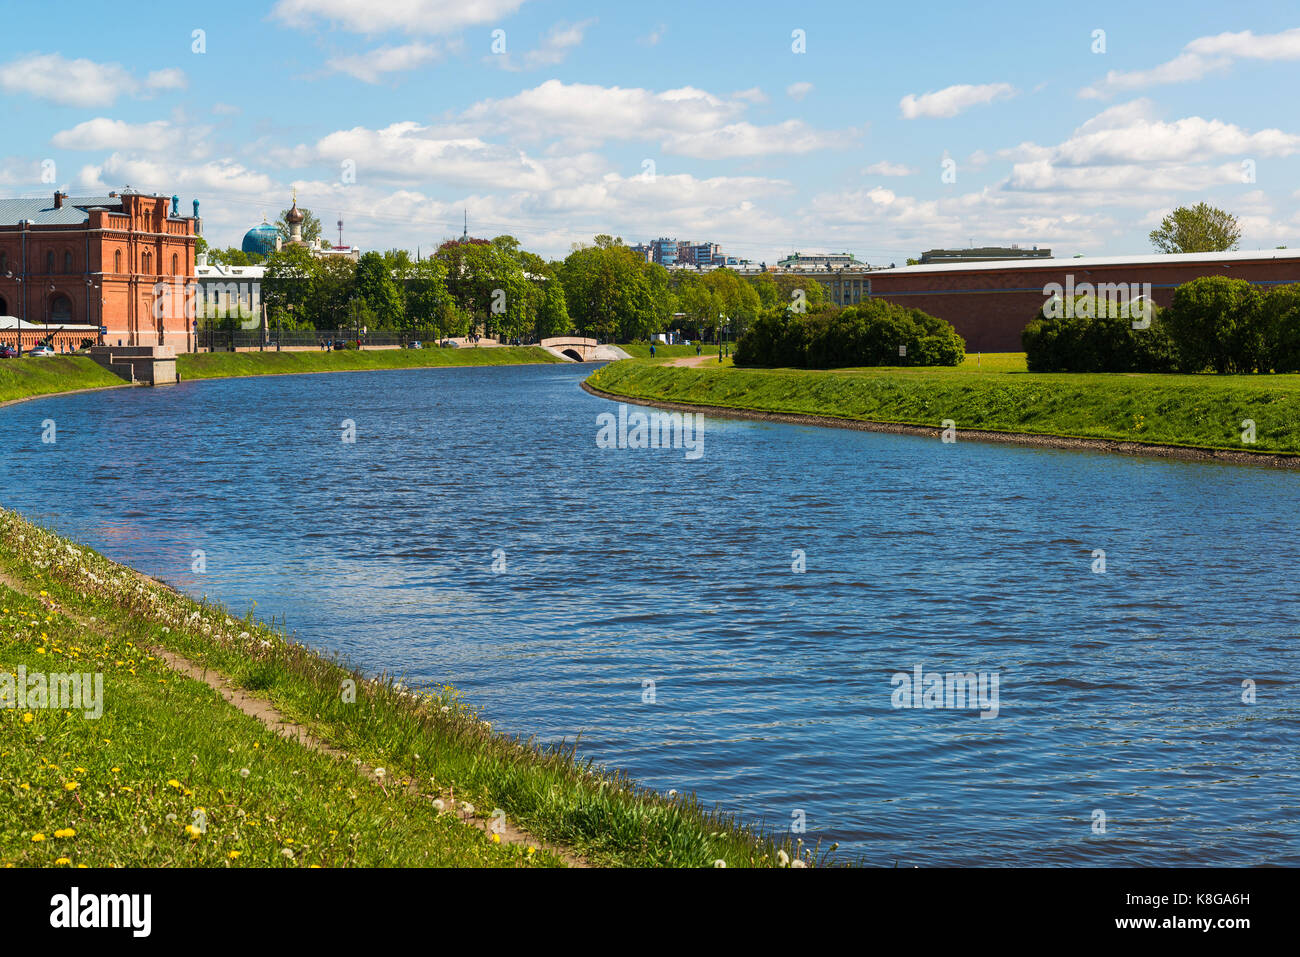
(1121, 736)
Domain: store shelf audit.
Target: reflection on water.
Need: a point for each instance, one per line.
(1119, 692)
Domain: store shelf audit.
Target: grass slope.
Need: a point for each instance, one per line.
(21, 378)
(1193, 411)
(213, 365)
(122, 789)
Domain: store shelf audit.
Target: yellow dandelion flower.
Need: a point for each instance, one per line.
(28, 718)
(37, 837)
(234, 854)
(173, 783)
(65, 832)
(115, 770)
(70, 785)
(80, 770)
(496, 838)
(63, 860)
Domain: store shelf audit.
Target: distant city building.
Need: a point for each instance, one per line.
(981, 254)
(263, 240)
(679, 253)
(821, 261)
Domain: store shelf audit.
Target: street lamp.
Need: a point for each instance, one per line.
(23, 299)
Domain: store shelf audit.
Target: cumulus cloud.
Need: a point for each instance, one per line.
(371, 17)
(952, 100)
(223, 176)
(370, 66)
(103, 133)
(886, 168)
(81, 82)
(552, 51)
(1201, 57)
(797, 91)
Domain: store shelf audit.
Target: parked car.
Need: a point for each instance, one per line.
(8, 352)
(41, 351)
(417, 344)
(448, 344)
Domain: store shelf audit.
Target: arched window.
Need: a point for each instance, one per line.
(117, 261)
(67, 261)
(49, 262)
(146, 264)
(175, 265)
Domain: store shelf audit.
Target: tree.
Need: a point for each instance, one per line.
(1216, 322)
(1199, 229)
(426, 295)
(376, 288)
(230, 256)
(311, 227)
(612, 293)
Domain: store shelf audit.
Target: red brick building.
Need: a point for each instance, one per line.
(990, 303)
(121, 261)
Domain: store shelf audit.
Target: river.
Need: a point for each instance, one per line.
(475, 534)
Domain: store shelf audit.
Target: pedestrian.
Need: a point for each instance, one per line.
(697, 348)
(652, 350)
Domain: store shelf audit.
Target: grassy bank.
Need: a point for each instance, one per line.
(998, 396)
(215, 365)
(168, 751)
(23, 378)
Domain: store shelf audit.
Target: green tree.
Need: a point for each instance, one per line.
(1197, 229)
(230, 256)
(376, 288)
(1216, 323)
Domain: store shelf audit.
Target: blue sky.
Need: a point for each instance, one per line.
(698, 121)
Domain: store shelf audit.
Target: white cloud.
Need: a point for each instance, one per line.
(222, 176)
(654, 36)
(370, 66)
(686, 121)
(103, 133)
(370, 17)
(1201, 57)
(81, 82)
(552, 51)
(797, 91)
(886, 168)
(952, 100)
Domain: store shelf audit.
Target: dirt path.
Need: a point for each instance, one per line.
(692, 361)
(276, 721)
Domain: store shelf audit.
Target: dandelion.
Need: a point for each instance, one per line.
(496, 838)
(782, 858)
(531, 850)
(65, 832)
(244, 773)
(234, 854)
(799, 863)
(63, 860)
(70, 785)
(719, 863)
(28, 718)
(173, 783)
(287, 852)
(439, 805)
(37, 837)
(379, 773)
(467, 808)
(171, 817)
(193, 832)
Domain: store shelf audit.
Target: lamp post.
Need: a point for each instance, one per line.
(278, 330)
(18, 333)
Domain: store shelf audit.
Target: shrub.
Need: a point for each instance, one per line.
(1280, 320)
(868, 334)
(1216, 323)
(1091, 334)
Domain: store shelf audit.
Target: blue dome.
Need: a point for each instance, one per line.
(261, 240)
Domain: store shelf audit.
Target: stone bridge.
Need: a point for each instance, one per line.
(579, 349)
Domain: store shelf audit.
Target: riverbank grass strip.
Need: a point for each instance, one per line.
(216, 365)
(48, 375)
(1200, 412)
(157, 724)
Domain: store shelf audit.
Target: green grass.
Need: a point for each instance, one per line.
(213, 365)
(641, 350)
(1201, 411)
(21, 378)
(159, 727)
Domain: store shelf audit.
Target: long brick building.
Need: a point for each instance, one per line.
(121, 261)
(990, 303)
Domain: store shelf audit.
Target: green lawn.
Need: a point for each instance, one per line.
(212, 365)
(641, 350)
(1202, 411)
(20, 378)
(168, 751)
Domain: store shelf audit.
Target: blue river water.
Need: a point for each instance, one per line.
(1146, 714)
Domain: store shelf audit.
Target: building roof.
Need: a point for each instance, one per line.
(41, 211)
(1095, 262)
(221, 271)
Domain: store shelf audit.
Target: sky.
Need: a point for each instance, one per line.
(881, 130)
